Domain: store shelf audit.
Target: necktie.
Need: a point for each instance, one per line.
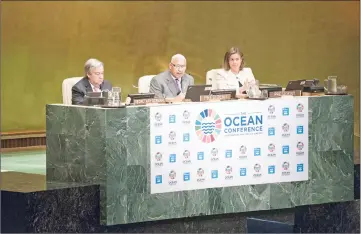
(178, 86)
(96, 89)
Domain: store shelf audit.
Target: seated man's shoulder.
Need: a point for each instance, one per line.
(161, 76)
(80, 83)
(189, 76)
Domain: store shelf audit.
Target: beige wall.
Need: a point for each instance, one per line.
(44, 42)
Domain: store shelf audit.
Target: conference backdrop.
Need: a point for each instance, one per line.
(42, 43)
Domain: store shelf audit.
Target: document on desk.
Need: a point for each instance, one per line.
(223, 144)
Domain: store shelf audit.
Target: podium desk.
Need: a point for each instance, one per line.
(113, 148)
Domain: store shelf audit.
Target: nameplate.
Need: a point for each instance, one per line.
(218, 97)
(148, 101)
(285, 93)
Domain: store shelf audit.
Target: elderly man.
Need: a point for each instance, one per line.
(92, 82)
(173, 82)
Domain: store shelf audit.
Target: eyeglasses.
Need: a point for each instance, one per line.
(178, 66)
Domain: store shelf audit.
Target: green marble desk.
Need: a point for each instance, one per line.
(111, 147)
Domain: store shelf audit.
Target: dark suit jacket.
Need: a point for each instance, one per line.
(82, 87)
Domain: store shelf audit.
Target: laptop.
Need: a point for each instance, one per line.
(194, 92)
(270, 87)
(295, 85)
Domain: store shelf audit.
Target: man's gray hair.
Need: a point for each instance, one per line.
(177, 57)
(92, 63)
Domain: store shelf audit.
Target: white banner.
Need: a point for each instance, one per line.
(222, 144)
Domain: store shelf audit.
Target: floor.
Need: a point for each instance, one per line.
(33, 162)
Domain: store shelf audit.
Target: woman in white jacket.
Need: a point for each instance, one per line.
(234, 75)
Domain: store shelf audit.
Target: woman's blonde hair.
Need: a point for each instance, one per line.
(229, 53)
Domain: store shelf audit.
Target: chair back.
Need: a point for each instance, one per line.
(66, 88)
(144, 83)
(211, 77)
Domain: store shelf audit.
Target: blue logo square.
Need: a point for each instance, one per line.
(214, 174)
(158, 140)
(171, 118)
(271, 169)
(186, 176)
(243, 171)
(200, 155)
(300, 167)
(158, 179)
(271, 131)
(286, 149)
(185, 137)
(172, 158)
(228, 153)
(300, 129)
(285, 111)
(257, 151)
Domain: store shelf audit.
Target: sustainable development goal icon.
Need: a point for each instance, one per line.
(208, 125)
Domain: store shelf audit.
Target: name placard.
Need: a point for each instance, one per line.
(217, 97)
(285, 93)
(148, 101)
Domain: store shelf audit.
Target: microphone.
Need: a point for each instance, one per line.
(135, 86)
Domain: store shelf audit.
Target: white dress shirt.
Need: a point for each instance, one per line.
(95, 89)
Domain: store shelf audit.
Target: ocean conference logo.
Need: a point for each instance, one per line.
(208, 126)
(243, 124)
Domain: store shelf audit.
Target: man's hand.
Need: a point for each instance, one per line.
(179, 98)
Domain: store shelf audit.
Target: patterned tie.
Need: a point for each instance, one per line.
(178, 86)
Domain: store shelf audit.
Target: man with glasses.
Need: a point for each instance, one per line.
(173, 82)
(92, 82)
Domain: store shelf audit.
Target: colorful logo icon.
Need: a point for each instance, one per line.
(300, 107)
(228, 170)
(300, 145)
(271, 147)
(172, 174)
(208, 126)
(200, 172)
(285, 166)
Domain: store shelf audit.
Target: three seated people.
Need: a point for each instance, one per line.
(174, 82)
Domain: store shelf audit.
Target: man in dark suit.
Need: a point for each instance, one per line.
(174, 82)
(92, 82)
